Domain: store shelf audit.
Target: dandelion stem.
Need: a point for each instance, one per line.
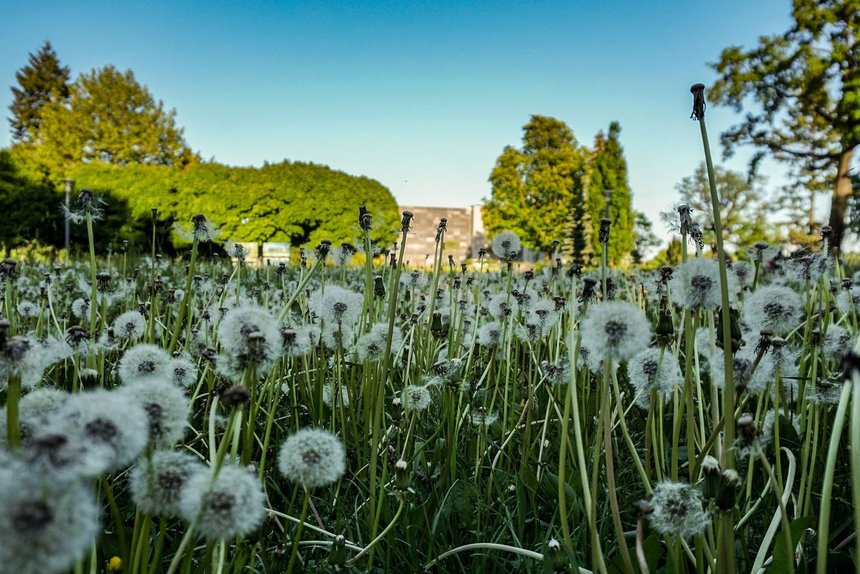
(726, 543)
(855, 455)
(827, 485)
(294, 552)
(382, 534)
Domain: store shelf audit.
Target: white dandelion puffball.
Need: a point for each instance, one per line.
(46, 527)
(167, 408)
(130, 325)
(678, 510)
(143, 363)
(615, 330)
(231, 505)
(113, 427)
(249, 337)
(696, 284)
(182, 371)
(336, 305)
(654, 370)
(312, 457)
(774, 308)
(506, 245)
(417, 398)
(157, 483)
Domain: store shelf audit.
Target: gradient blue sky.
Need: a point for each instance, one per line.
(422, 96)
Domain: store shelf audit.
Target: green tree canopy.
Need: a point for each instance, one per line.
(645, 238)
(299, 203)
(108, 118)
(802, 94)
(31, 211)
(608, 178)
(40, 82)
(536, 190)
(743, 205)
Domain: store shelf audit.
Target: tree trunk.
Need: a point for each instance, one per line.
(841, 192)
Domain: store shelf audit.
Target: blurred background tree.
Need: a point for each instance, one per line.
(107, 132)
(607, 178)
(801, 90)
(743, 208)
(555, 189)
(537, 190)
(40, 82)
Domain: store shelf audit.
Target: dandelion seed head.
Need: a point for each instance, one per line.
(81, 308)
(157, 482)
(490, 334)
(27, 310)
(143, 363)
(328, 394)
(506, 245)
(696, 284)
(417, 398)
(336, 305)
(231, 505)
(653, 370)
(114, 428)
(182, 371)
(45, 527)
(677, 510)
(312, 457)
(249, 337)
(774, 308)
(615, 330)
(166, 407)
(130, 325)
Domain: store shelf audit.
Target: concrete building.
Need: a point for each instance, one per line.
(463, 239)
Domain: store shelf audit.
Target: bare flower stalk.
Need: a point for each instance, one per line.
(726, 543)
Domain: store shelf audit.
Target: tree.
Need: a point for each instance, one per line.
(108, 118)
(608, 178)
(30, 210)
(538, 191)
(806, 84)
(742, 209)
(645, 240)
(42, 81)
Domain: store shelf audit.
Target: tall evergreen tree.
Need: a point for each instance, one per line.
(41, 81)
(804, 90)
(537, 190)
(608, 179)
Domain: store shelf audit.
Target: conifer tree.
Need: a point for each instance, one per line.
(41, 81)
(608, 178)
(536, 191)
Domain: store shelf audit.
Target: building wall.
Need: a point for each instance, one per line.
(464, 236)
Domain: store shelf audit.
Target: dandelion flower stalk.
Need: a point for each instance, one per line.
(855, 454)
(91, 358)
(379, 399)
(186, 295)
(829, 473)
(726, 544)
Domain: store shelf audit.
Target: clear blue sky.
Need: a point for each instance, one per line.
(421, 96)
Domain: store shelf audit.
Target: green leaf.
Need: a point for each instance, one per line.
(782, 555)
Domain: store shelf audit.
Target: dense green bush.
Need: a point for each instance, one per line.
(290, 202)
(286, 202)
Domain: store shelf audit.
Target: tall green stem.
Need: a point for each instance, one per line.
(829, 472)
(726, 542)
